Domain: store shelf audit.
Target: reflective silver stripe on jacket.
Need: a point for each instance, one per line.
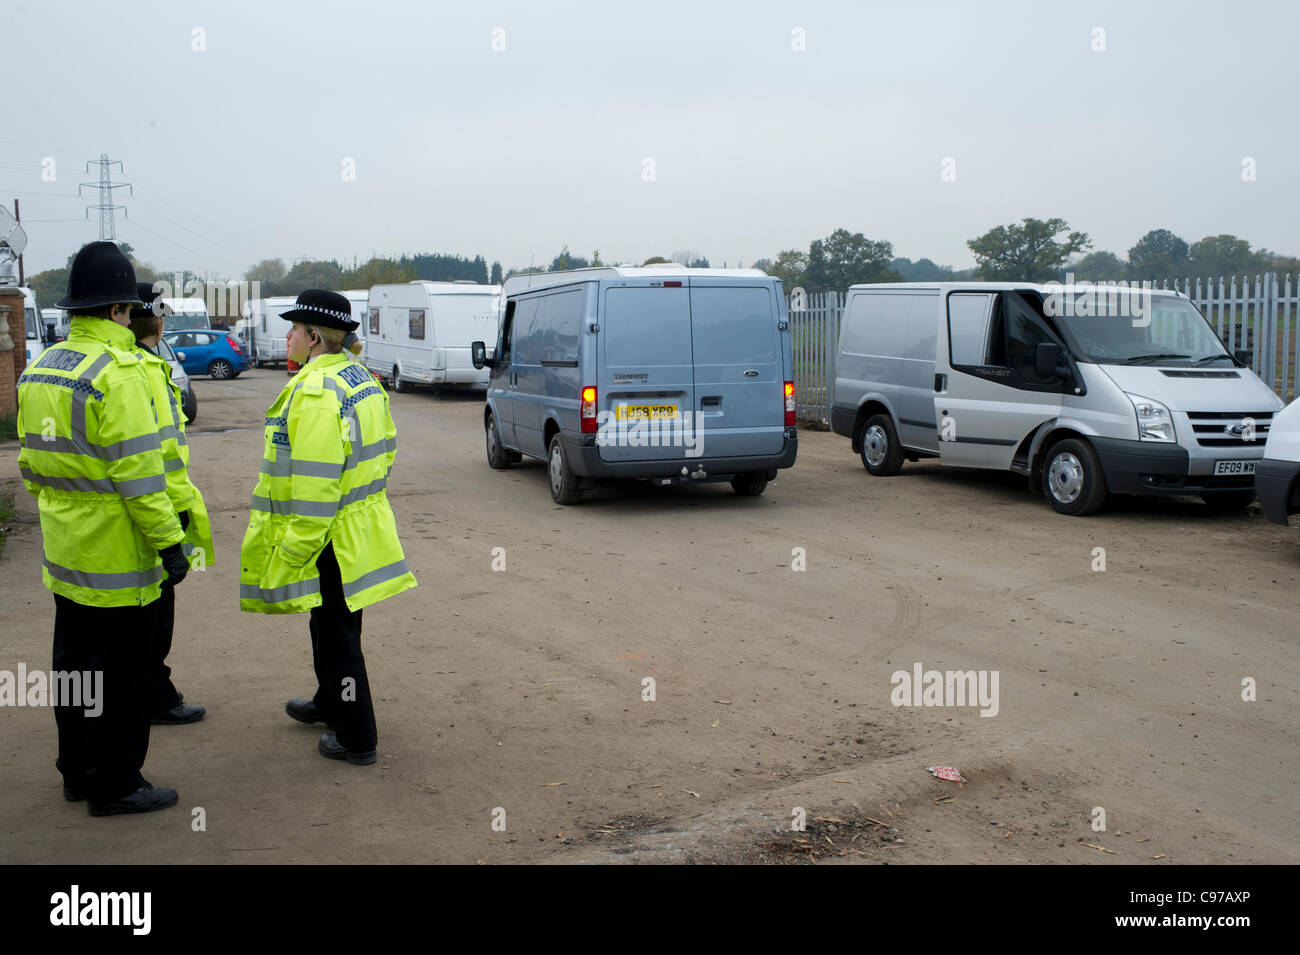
(275, 595)
(364, 491)
(79, 396)
(96, 485)
(295, 508)
(105, 452)
(173, 464)
(96, 581)
(378, 576)
(287, 467)
(143, 485)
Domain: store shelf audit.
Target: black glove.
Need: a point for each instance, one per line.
(175, 563)
(185, 520)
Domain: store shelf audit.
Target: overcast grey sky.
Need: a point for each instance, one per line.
(237, 151)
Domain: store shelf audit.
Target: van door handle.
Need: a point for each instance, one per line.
(940, 383)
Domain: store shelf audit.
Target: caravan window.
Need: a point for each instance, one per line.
(374, 321)
(416, 326)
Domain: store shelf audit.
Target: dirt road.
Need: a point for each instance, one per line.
(517, 694)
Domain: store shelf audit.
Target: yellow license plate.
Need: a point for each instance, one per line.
(645, 412)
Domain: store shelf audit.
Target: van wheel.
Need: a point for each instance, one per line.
(882, 455)
(564, 483)
(400, 384)
(749, 484)
(498, 457)
(1073, 482)
(1228, 503)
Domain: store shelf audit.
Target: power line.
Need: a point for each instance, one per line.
(107, 220)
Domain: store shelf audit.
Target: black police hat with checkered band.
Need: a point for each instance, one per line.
(319, 307)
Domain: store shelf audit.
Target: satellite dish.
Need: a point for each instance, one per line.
(11, 233)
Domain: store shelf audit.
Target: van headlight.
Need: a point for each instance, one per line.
(1155, 423)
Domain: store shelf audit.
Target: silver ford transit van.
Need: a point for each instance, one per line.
(663, 373)
(1085, 390)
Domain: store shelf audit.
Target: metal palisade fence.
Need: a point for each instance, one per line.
(815, 335)
(1260, 314)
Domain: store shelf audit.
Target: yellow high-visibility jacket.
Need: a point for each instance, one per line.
(329, 445)
(92, 458)
(181, 490)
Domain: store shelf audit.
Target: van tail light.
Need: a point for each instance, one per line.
(789, 402)
(235, 345)
(589, 410)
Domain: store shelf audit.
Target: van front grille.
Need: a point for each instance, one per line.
(1215, 429)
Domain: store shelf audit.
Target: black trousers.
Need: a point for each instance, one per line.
(103, 754)
(164, 691)
(343, 690)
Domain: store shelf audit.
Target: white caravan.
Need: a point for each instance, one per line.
(420, 332)
(266, 329)
(359, 299)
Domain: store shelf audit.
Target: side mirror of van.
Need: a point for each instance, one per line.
(1243, 355)
(1049, 361)
(478, 355)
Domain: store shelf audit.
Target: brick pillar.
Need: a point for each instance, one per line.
(8, 380)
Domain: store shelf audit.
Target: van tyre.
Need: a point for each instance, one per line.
(497, 456)
(749, 485)
(882, 455)
(221, 369)
(565, 487)
(400, 384)
(1073, 482)
(1228, 503)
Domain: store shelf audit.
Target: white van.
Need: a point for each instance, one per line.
(420, 332)
(186, 313)
(57, 319)
(1277, 478)
(38, 335)
(1084, 390)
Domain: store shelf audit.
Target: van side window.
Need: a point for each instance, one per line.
(524, 329)
(968, 328)
(415, 317)
(1024, 332)
(558, 325)
(507, 334)
(374, 321)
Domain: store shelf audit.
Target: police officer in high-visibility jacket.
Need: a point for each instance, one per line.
(147, 325)
(92, 457)
(321, 535)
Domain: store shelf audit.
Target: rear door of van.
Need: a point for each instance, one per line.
(739, 379)
(645, 384)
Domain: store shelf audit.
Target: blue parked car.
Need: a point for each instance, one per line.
(204, 352)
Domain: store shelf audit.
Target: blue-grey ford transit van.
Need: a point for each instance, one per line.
(662, 373)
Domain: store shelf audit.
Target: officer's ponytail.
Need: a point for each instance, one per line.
(352, 343)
